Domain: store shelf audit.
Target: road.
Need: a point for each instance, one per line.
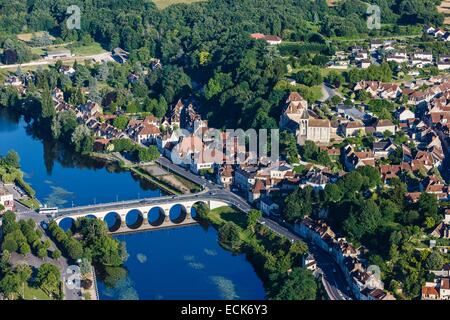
(211, 191)
(328, 92)
(62, 263)
(97, 57)
(334, 280)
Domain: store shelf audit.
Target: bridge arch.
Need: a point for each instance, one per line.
(178, 213)
(134, 219)
(66, 223)
(113, 221)
(156, 216)
(198, 205)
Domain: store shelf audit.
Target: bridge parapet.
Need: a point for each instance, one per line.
(164, 204)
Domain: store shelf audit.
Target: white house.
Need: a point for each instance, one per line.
(6, 199)
(406, 115)
(364, 64)
(268, 207)
(424, 55)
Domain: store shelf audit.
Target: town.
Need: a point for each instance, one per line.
(363, 134)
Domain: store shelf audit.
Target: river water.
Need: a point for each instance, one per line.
(179, 263)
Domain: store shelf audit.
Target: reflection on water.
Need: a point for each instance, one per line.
(59, 176)
(178, 263)
(178, 266)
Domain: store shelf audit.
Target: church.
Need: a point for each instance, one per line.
(303, 122)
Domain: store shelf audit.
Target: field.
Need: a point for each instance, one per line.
(445, 9)
(27, 36)
(161, 4)
(34, 294)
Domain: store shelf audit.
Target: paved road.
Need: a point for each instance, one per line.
(61, 263)
(333, 279)
(168, 165)
(328, 92)
(211, 191)
(105, 56)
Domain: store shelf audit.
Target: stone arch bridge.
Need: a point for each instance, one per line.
(146, 214)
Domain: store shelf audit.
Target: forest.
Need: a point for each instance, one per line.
(205, 47)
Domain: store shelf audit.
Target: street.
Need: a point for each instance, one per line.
(24, 214)
(328, 92)
(334, 281)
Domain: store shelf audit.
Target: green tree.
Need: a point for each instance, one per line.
(435, 261)
(10, 285)
(428, 206)
(82, 139)
(24, 248)
(12, 159)
(333, 193)
(120, 122)
(252, 219)
(48, 279)
(229, 235)
(24, 272)
(47, 108)
(297, 285)
(56, 254)
(309, 150)
(42, 252)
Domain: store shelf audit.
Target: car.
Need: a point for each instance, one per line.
(334, 270)
(263, 222)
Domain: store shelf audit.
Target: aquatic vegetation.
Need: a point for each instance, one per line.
(59, 197)
(196, 265)
(142, 258)
(210, 252)
(226, 287)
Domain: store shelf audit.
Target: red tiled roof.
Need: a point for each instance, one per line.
(430, 291)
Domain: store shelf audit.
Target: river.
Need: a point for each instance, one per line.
(179, 263)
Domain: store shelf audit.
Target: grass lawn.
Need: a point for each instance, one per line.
(38, 51)
(188, 184)
(222, 215)
(28, 36)
(161, 4)
(34, 294)
(30, 203)
(80, 50)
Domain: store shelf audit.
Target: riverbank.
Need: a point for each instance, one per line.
(13, 182)
(182, 263)
(168, 181)
(270, 254)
